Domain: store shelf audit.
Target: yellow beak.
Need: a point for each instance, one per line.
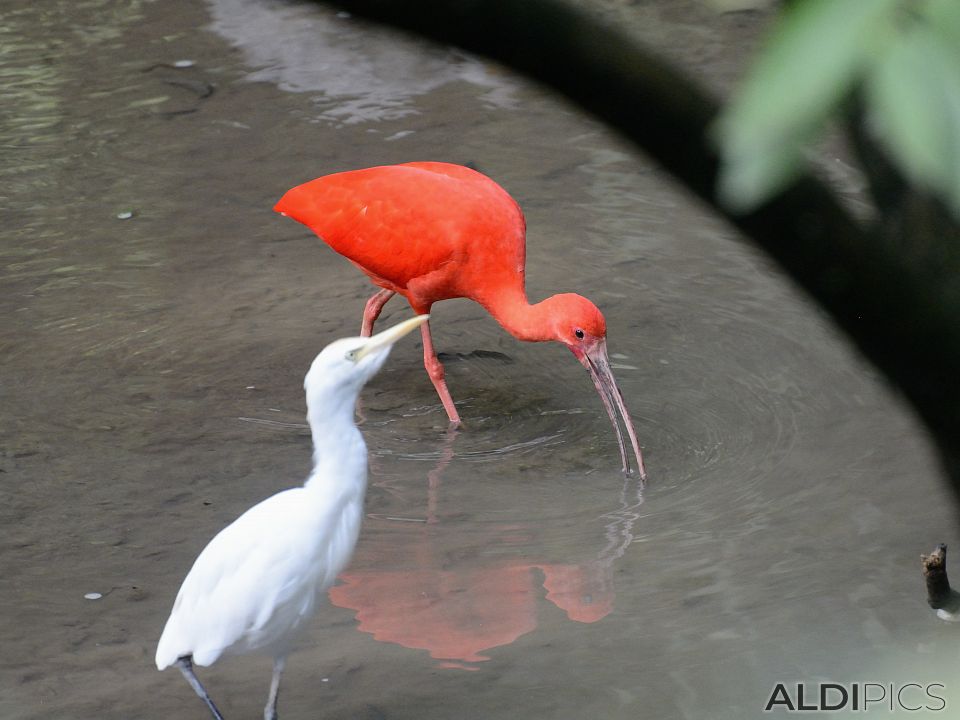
(389, 336)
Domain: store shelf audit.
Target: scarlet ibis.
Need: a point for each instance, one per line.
(432, 231)
(256, 583)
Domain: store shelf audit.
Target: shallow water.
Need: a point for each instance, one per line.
(159, 318)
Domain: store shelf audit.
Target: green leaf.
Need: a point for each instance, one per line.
(944, 19)
(817, 52)
(914, 100)
(750, 177)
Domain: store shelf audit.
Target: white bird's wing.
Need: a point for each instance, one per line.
(258, 578)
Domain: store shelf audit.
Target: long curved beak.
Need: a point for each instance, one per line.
(595, 360)
(390, 336)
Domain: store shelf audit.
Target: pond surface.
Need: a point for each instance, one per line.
(159, 318)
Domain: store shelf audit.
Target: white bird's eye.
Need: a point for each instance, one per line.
(352, 354)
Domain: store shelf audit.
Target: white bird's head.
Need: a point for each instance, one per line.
(340, 371)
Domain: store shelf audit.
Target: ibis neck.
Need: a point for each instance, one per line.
(510, 308)
(338, 447)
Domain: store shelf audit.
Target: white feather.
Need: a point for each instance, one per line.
(259, 579)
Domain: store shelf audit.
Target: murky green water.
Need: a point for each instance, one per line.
(159, 318)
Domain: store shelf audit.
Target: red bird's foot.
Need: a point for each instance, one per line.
(447, 401)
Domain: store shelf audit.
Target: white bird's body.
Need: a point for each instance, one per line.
(258, 580)
(243, 596)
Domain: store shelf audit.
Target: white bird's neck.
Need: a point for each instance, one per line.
(338, 448)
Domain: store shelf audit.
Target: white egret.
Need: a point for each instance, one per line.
(256, 583)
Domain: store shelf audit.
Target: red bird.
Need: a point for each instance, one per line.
(432, 231)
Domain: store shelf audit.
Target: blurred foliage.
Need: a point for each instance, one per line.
(900, 58)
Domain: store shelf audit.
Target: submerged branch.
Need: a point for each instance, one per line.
(939, 594)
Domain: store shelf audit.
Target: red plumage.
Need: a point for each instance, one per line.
(428, 231)
(432, 231)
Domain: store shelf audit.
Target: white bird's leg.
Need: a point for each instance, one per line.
(372, 311)
(435, 371)
(270, 711)
(186, 667)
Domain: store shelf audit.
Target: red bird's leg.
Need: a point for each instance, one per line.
(372, 310)
(435, 371)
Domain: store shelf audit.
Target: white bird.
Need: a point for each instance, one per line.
(256, 583)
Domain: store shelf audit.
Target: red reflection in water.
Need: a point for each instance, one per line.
(453, 615)
(458, 614)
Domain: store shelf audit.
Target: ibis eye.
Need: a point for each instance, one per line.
(579, 333)
(352, 355)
